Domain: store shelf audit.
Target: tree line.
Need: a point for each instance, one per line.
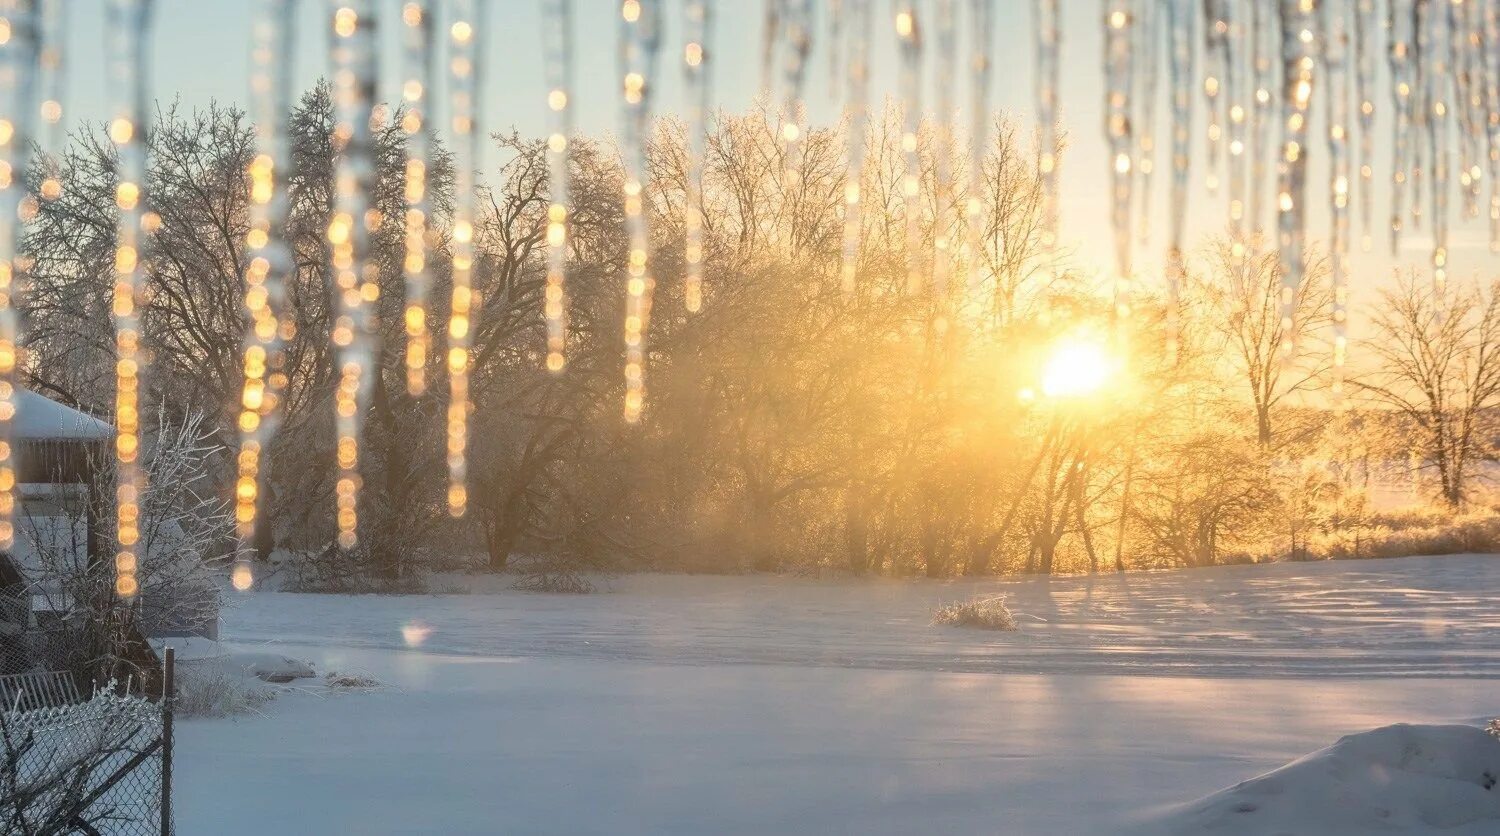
(792, 424)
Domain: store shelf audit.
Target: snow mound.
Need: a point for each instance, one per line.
(1395, 779)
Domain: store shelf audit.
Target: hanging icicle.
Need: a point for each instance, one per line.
(1402, 63)
(638, 42)
(1298, 48)
(416, 86)
(1117, 129)
(981, 22)
(1215, 49)
(557, 42)
(859, 108)
(1048, 45)
(1264, 34)
(1421, 107)
(52, 83)
(797, 24)
(1491, 53)
(128, 31)
(1437, 57)
(909, 41)
(355, 272)
(695, 56)
(1183, 15)
(1335, 56)
(1237, 109)
(1148, 46)
(1365, 22)
(18, 55)
(1465, 23)
(946, 32)
(464, 303)
(268, 260)
(770, 34)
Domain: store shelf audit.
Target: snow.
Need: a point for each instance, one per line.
(39, 418)
(777, 705)
(1399, 778)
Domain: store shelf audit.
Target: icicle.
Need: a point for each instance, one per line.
(1117, 25)
(128, 29)
(1148, 47)
(770, 33)
(1469, 19)
(982, 26)
(1298, 48)
(18, 56)
(1437, 58)
(909, 39)
(1182, 13)
(1215, 47)
(1491, 53)
(942, 227)
(1421, 107)
(1335, 57)
(1365, 22)
(417, 56)
(1402, 83)
(464, 304)
(1048, 44)
(1461, 71)
(354, 269)
(557, 41)
(1264, 33)
(268, 260)
(638, 39)
(53, 84)
(835, 46)
(859, 107)
(699, 90)
(1237, 110)
(798, 28)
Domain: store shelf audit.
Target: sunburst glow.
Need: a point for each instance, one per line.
(1077, 368)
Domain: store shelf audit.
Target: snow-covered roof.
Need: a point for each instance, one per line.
(42, 419)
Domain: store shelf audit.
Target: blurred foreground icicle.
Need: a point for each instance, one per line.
(355, 272)
(638, 43)
(1180, 54)
(909, 44)
(859, 109)
(1117, 128)
(1048, 37)
(417, 56)
(129, 27)
(695, 58)
(468, 136)
(268, 261)
(557, 44)
(981, 24)
(1298, 51)
(18, 55)
(1335, 58)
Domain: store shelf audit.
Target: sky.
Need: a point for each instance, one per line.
(200, 54)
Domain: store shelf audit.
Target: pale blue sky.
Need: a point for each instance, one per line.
(200, 54)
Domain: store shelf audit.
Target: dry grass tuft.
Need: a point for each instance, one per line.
(979, 613)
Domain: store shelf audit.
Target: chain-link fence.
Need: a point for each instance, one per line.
(96, 766)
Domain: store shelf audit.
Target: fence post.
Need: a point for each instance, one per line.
(167, 700)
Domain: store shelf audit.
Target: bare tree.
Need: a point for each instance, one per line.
(1435, 359)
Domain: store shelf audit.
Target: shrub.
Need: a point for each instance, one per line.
(979, 613)
(207, 690)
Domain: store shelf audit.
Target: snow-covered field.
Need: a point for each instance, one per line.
(776, 705)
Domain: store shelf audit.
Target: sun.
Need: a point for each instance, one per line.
(1076, 368)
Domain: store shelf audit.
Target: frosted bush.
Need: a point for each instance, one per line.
(979, 613)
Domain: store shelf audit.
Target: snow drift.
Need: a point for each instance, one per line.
(1395, 779)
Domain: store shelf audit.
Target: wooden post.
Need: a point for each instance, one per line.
(168, 697)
